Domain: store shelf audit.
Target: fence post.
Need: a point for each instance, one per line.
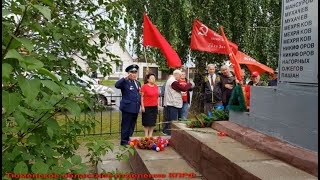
(85, 121)
(159, 113)
(120, 117)
(101, 122)
(94, 121)
(110, 121)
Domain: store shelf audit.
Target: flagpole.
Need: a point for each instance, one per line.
(232, 57)
(145, 57)
(144, 48)
(189, 57)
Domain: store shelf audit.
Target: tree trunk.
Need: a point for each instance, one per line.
(197, 103)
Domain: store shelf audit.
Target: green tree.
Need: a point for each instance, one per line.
(253, 25)
(39, 40)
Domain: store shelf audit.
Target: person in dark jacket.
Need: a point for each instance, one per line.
(226, 84)
(212, 94)
(130, 102)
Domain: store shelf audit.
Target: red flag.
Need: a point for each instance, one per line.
(204, 39)
(152, 37)
(233, 60)
(252, 64)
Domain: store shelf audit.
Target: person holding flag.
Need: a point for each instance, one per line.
(226, 84)
(236, 101)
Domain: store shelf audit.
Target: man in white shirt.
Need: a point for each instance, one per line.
(212, 94)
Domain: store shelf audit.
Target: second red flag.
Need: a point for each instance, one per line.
(152, 37)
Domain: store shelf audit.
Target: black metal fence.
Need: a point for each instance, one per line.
(107, 121)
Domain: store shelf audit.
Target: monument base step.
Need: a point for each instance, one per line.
(167, 164)
(222, 158)
(296, 156)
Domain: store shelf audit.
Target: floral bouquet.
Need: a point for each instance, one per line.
(157, 144)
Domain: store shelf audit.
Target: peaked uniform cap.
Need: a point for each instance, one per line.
(132, 67)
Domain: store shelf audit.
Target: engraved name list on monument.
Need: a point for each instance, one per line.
(299, 41)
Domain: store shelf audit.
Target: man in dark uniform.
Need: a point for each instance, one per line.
(130, 102)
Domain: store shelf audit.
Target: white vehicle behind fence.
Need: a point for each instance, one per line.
(103, 93)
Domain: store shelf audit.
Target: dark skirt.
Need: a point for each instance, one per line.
(149, 117)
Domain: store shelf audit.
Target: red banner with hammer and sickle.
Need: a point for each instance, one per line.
(205, 39)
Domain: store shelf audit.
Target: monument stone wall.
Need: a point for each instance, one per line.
(289, 111)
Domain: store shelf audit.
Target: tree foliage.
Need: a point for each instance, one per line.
(40, 39)
(253, 25)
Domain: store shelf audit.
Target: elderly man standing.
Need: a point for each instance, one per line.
(255, 80)
(226, 84)
(212, 94)
(173, 99)
(130, 102)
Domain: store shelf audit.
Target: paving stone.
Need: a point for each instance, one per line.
(187, 146)
(296, 156)
(211, 137)
(113, 165)
(163, 162)
(202, 151)
(168, 153)
(236, 152)
(213, 166)
(182, 126)
(225, 158)
(112, 155)
(167, 166)
(275, 170)
(203, 134)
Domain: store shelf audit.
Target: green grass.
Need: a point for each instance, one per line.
(110, 122)
(108, 82)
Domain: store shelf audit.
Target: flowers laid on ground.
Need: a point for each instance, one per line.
(157, 144)
(220, 113)
(222, 134)
(203, 120)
